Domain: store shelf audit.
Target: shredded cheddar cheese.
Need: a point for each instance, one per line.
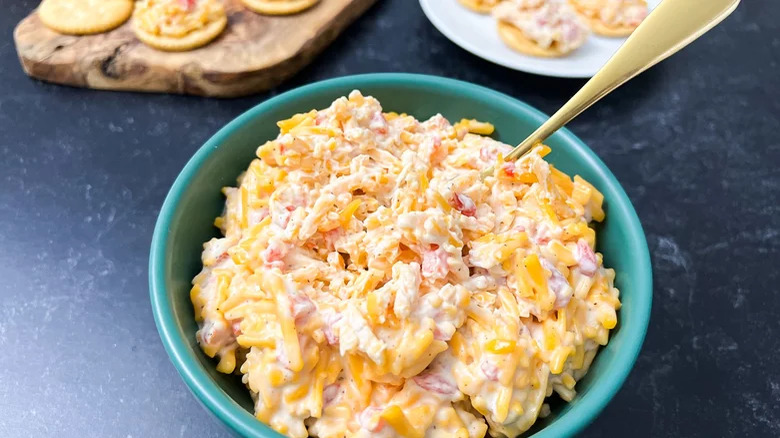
(370, 283)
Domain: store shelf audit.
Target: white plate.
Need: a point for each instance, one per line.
(477, 34)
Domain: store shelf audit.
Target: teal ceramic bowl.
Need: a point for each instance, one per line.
(186, 218)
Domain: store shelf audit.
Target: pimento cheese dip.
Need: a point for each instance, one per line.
(370, 284)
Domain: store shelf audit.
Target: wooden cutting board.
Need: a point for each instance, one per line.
(254, 53)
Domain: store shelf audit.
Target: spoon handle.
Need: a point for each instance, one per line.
(668, 28)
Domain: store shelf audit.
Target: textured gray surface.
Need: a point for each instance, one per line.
(694, 142)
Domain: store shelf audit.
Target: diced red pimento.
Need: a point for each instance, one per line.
(369, 419)
(526, 225)
(488, 154)
(440, 335)
(235, 324)
(586, 258)
(542, 234)
(438, 150)
(302, 307)
(331, 236)
(215, 333)
(188, 4)
(282, 216)
(509, 169)
(571, 32)
(435, 381)
(558, 285)
(378, 123)
(434, 263)
(489, 369)
(329, 320)
(330, 393)
(464, 204)
(255, 216)
(275, 253)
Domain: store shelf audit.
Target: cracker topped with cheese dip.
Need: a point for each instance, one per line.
(540, 28)
(611, 18)
(178, 25)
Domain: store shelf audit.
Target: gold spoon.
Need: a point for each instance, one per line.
(671, 26)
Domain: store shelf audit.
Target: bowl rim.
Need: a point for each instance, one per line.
(242, 422)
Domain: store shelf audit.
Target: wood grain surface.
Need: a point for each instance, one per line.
(254, 53)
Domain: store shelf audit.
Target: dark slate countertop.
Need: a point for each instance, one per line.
(694, 142)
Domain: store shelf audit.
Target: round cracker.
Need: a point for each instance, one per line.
(599, 28)
(279, 7)
(477, 6)
(516, 40)
(84, 17)
(192, 40)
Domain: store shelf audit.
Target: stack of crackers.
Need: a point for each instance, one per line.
(171, 25)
